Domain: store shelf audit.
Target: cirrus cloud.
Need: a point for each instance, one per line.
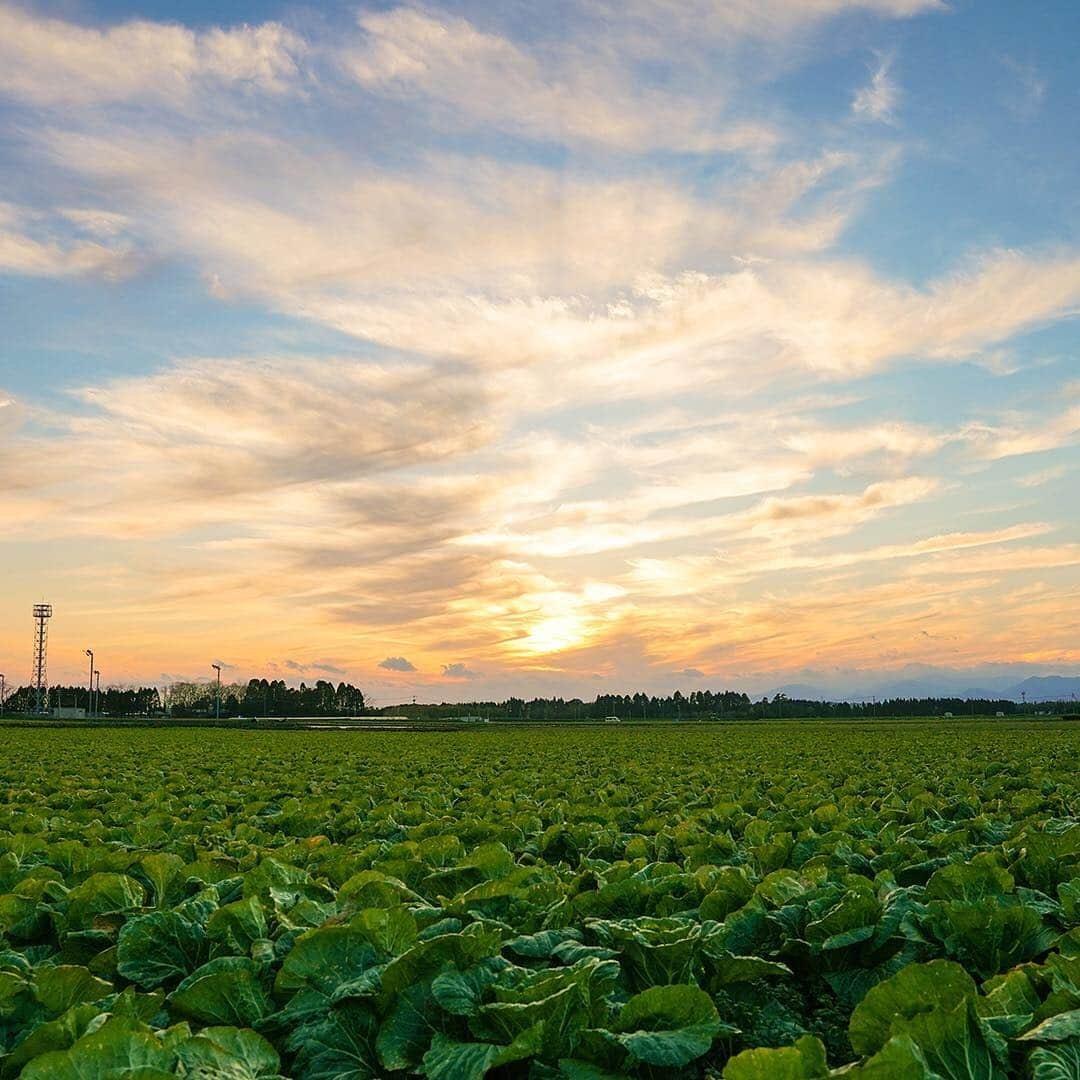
(52, 62)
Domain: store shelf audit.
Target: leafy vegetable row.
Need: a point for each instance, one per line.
(755, 902)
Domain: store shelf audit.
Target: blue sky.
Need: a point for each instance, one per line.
(552, 349)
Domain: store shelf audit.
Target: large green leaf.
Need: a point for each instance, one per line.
(956, 1043)
(58, 988)
(234, 927)
(461, 993)
(803, 1061)
(730, 890)
(56, 1034)
(977, 880)
(118, 1050)
(339, 1047)
(430, 956)
(541, 945)
(668, 1026)
(159, 948)
(228, 991)
(392, 930)
(723, 969)
(563, 1001)
(1069, 897)
(450, 1059)
(1061, 1061)
(851, 919)
(228, 1053)
(912, 991)
(166, 872)
(1064, 1025)
(372, 889)
(989, 936)
(22, 916)
(656, 952)
(102, 894)
(406, 1033)
(560, 1016)
(899, 1059)
(137, 1006)
(327, 958)
(1009, 1002)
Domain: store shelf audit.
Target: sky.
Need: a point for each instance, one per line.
(469, 349)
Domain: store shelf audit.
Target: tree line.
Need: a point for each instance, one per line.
(274, 698)
(714, 705)
(112, 701)
(257, 697)
(265, 698)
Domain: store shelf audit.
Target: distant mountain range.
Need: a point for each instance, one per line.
(1035, 688)
(1047, 688)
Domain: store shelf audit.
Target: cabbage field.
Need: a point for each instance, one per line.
(745, 901)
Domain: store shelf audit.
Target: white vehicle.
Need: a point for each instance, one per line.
(612, 720)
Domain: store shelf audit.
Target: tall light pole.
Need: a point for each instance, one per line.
(1, 694)
(42, 615)
(217, 696)
(90, 688)
(97, 692)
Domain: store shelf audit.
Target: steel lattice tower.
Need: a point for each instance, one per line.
(42, 615)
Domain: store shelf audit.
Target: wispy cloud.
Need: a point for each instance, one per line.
(1030, 434)
(473, 77)
(1029, 92)
(878, 100)
(693, 19)
(52, 62)
(32, 243)
(1043, 476)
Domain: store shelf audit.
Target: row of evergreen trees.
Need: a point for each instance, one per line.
(258, 697)
(112, 701)
(712, 705)
(265, 697)
(274, 698)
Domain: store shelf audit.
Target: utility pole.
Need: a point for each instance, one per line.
(90, 688)
(217, 695)
(1, 694)
(97, 692)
